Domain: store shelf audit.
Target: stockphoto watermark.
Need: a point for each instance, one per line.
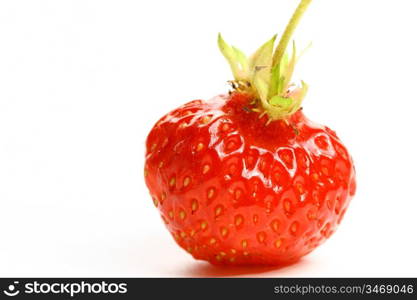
(71, 288)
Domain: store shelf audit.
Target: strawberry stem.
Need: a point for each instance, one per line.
(286, 36)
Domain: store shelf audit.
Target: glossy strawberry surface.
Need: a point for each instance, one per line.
(235, 189)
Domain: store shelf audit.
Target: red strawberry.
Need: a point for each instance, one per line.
(246, 178)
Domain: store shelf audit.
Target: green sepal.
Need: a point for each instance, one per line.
(275, 80)
(236, 59)
(242, 60)
(260, 68)
(298, 97)
(262, 89)
(282, 102)
(261, 61)
(289, 69)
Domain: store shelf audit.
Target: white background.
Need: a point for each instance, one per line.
(83, 82)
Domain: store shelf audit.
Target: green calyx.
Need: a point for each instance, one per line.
(267, 73)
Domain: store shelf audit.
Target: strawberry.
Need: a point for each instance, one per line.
(245, 178)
